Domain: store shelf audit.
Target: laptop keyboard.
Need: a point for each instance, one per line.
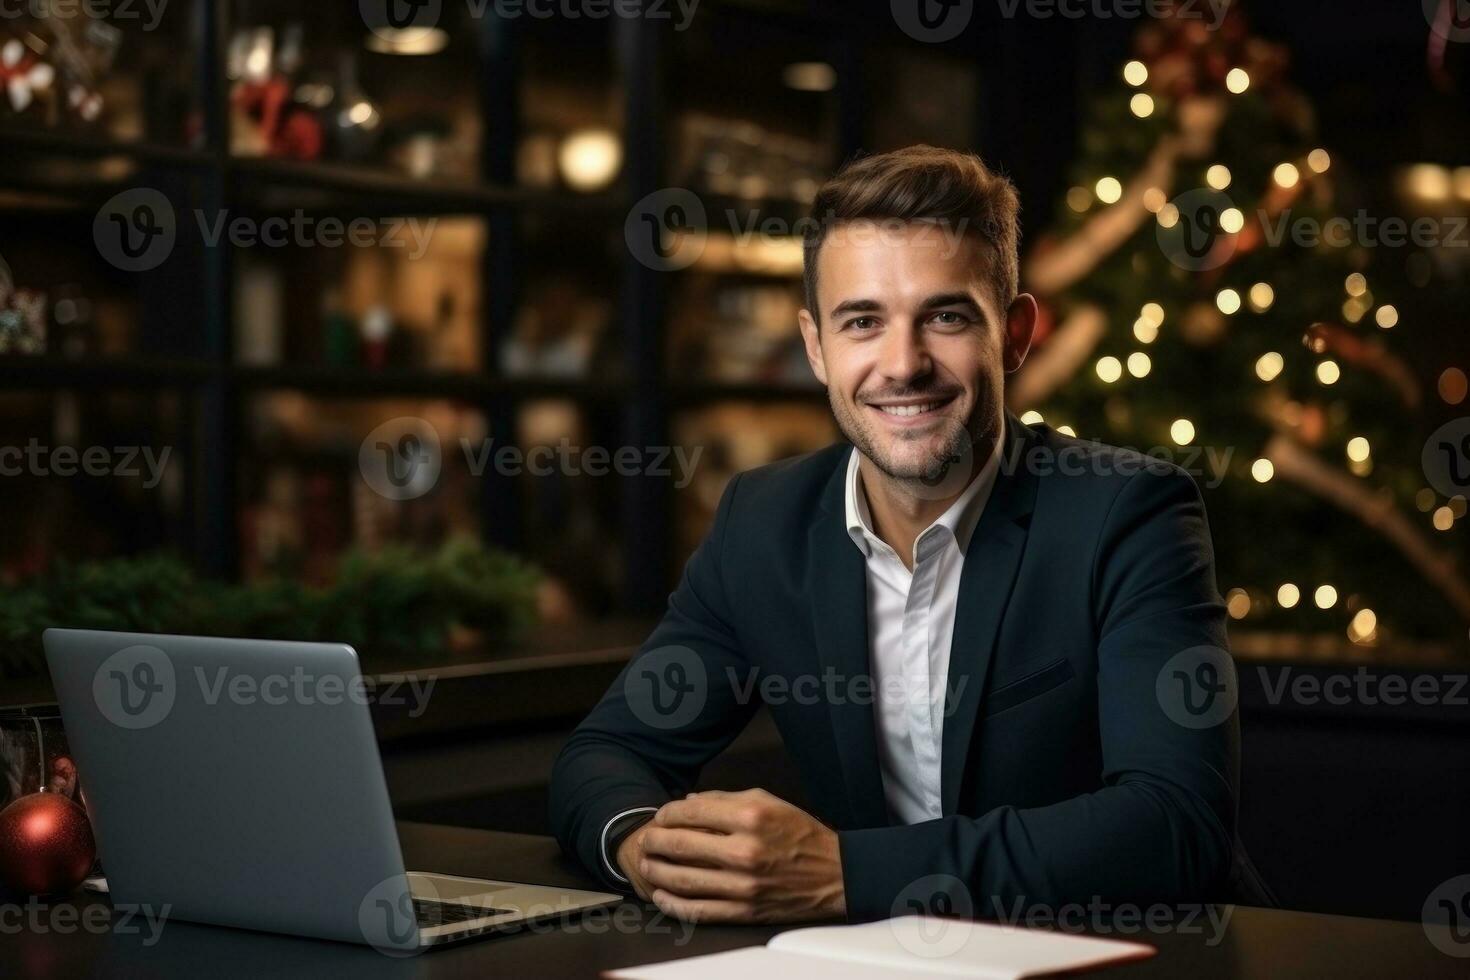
(430, 913)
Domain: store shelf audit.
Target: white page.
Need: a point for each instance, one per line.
(910, 947)
(958, 947)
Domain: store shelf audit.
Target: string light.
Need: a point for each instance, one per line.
(1232, 220)
(1079, 199)
(1168, 215)
(1363, 626)
(1325, 597)
(1032, 418)
(1135, 73)
(1145, 330)
(1218, 176)
(1288, 596)
(1424, 500)
(1228, 300)
(1108, 190)
(1154, 199)
(1067, 430)
(1182, 432)
(1457, 507)
(1319, 161)
(1453, 386)
(1262, 470)
(1142, 105)
(1444, 519)
(1238, 603)
(1269, 366)
(1139, 365)
(1356, 284)
(1110, 369)
(1358, 449)
(1328, 372)
(1154, 313)
(1238, 80)
(1286, 175)
(1387, 317)
(1262, 296)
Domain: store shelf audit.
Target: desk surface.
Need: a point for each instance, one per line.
(50, 943)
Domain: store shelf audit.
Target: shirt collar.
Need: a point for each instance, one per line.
(960, 519)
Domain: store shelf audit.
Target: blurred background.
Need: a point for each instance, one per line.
(579, 230)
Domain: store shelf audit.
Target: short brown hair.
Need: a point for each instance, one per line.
(921, 183)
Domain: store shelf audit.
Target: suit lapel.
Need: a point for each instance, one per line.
(836, 580)
(991, 560)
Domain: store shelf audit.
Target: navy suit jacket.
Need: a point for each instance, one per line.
(1065, 776)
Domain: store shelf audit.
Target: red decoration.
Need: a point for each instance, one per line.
(46, 845)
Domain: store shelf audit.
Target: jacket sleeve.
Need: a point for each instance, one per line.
(1161, 828)
(685, 695)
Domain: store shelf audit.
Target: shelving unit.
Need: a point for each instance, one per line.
(637, 398)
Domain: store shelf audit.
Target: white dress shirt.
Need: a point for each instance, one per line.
(910, 629)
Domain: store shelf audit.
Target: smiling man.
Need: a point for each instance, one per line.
(994, 653)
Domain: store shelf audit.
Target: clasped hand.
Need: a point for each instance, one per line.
(736, 857)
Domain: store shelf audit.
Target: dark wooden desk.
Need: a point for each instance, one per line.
(1256, 943)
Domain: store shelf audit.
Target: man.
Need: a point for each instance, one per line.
(969, 632)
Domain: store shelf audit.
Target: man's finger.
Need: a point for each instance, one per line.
(683, 846)
(725, 814)
(688, 882)
(703, 909)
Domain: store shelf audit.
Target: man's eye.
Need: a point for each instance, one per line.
(949, 318)
(862, 323)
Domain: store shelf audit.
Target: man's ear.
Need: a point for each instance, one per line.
(811, 337)
(1020, 326)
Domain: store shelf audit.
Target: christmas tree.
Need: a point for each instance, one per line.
(1199, 297)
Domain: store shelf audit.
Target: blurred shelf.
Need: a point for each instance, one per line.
(388, 190)
(699, 393)
(95, 147)
(20, 371)
(356, 383)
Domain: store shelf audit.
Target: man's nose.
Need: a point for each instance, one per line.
(904, 356)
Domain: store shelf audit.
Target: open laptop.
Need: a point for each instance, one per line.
(238, 783)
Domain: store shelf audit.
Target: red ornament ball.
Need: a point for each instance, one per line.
(46, 845)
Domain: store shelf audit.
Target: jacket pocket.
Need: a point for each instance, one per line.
(1033, 685)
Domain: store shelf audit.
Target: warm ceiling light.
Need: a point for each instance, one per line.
(590, 158)
(408, 40)
(810, 76)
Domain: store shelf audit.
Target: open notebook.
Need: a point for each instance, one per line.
(912, 946)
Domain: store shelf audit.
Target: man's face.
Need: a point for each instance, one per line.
(912, 345)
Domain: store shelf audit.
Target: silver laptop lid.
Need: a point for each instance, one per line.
(237, 781)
